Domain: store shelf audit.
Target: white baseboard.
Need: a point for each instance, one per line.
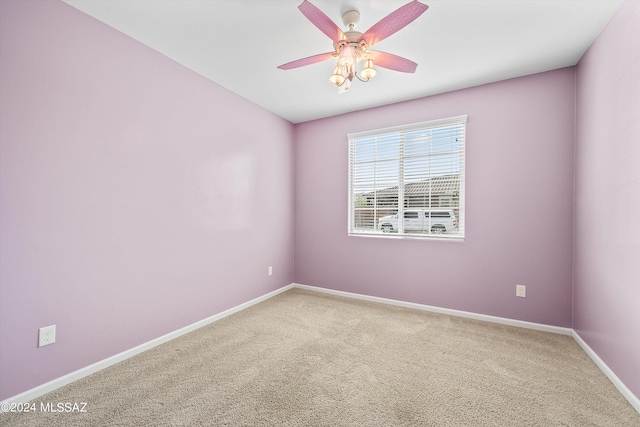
(38, 391)
(624, 391)
(95, 367)
(631, 398)
(451, 312)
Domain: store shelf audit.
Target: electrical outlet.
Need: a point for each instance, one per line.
(46, 335)
(270, 271)
(521, 291)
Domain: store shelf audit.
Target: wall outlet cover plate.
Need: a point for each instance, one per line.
(46, 335)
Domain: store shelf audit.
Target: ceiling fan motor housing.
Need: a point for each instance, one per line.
(351, 19)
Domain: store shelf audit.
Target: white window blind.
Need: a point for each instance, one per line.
(408, 180)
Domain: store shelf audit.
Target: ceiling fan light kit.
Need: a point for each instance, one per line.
(351, 48)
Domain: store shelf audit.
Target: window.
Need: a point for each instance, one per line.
(414, 172)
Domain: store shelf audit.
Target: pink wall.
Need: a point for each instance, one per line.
(137, 196)
(519, 205)
(607, 214)
(137, 199)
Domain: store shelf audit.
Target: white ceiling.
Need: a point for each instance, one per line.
(456, 43)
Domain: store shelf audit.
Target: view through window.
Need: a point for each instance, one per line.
(408, 180)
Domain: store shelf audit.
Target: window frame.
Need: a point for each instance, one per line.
(402, 206)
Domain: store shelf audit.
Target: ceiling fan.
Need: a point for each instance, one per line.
(352, 47)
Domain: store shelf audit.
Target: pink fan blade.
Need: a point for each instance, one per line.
(307, 61)
(394, 22)
(392, 62)
(322, 21)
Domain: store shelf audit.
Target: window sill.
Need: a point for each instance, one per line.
(394, 236)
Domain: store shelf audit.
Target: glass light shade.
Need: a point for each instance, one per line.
(347, 56)
(337, 78)
(368, 72)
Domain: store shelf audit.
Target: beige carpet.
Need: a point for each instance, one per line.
(309, 359)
